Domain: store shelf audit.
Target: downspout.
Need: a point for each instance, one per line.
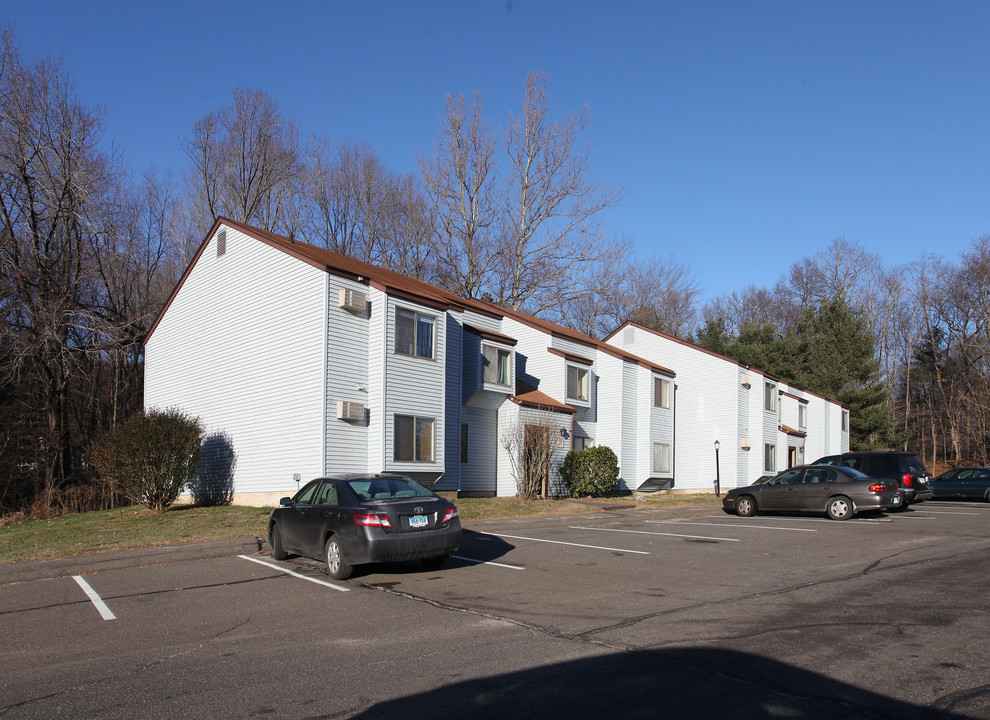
(326, 375)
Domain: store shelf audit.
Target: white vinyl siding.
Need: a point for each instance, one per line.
(415, 386)
(242, 346)
(348, 381)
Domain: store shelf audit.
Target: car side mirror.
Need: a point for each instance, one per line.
(285, 502)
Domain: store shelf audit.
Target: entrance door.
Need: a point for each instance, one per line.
(536, 460)
(791, 457)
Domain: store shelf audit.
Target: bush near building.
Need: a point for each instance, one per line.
(593, 471)
(150, 457)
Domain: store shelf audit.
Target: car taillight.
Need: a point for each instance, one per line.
(373, 520)
(907, 480)
(450, 515)
(876, 488)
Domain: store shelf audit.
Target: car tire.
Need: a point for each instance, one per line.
(278, 552)
(745, 506)
(434, 562)
(839, 508)
(337, 567)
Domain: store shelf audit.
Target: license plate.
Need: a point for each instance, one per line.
(897, 500)
(418, 521)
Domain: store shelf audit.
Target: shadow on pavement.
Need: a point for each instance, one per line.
(678, 683)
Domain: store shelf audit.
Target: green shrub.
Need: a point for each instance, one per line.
(150, 457)
(593, 471)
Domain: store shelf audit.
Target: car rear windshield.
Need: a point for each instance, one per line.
(915, 465)
(387, 488)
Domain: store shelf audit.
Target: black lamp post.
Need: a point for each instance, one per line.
(718, 479)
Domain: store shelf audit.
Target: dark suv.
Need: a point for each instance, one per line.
(912, 476)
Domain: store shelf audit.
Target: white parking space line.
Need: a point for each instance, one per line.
(487, 562)
(95, 598)
(647, 532)
(856, 521)
(731, 525)
(561, 542)
(946, 512)
(294, 574)
(917, 517)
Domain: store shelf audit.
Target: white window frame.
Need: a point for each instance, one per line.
(802, 416)
(418, 318)
(583, 379)
(770, 397)
(769, 457)
(487, 364)
(661, 399)
(661, 458)
(417, 448)
(580, 443)
(845, 421)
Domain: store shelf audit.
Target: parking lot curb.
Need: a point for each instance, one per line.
(96, 562)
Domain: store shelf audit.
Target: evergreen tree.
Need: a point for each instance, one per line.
(835, 356)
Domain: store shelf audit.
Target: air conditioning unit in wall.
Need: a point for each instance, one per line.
(353, 300)
(350, 410)
(744, 379)
(744, 443)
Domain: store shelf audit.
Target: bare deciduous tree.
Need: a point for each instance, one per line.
(245, 160)
(54, 182)
(550, 229)
(531, 443)
(461, 183)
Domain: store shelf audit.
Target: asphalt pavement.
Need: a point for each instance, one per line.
(628, 613)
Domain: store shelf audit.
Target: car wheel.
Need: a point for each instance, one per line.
(336, 567)
(434, 562)
(839, 508)
(278, 552)
(745, 506)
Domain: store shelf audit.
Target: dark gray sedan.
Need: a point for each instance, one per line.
(839, 492)
(964, 482)
(350, 520)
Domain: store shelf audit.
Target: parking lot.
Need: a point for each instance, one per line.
(637, 613)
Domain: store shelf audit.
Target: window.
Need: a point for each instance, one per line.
(305, 496)
(661, 393)
(327, 494)
(802, 416)
(661, 458)
(577, 383)
(770, 458)
(464, 443)
(770, 397)
(414, 333)
(496, 363)
(845, 421)
(580, 443)
(413, 439)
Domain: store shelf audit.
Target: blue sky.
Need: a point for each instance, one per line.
(746, 135)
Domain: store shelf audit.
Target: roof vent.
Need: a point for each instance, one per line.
(353, 300)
